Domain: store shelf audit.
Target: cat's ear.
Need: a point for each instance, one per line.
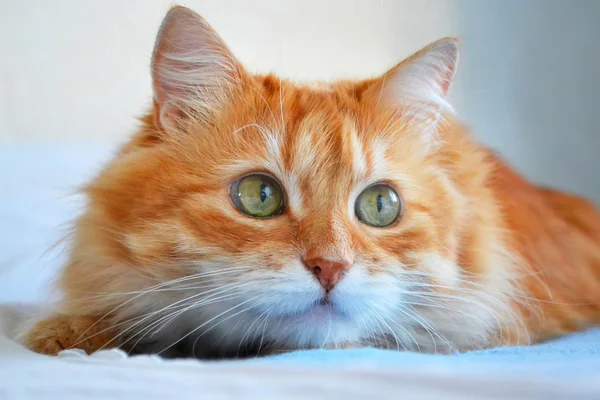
(424, 78)
(193, 70)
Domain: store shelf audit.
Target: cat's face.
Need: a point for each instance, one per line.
(296, 215)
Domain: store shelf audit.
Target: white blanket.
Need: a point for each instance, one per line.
(112, 375)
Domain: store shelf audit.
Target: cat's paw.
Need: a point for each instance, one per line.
(61, 332)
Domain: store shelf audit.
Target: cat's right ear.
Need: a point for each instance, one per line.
(193, 70)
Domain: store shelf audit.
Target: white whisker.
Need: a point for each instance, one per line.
(207, 322)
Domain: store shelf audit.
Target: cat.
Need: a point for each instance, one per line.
(251, 215)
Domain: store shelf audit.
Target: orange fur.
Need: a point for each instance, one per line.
(479, 258)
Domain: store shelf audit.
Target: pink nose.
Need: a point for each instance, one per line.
(327, 272)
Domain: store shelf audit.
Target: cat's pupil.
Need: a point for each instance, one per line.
(379, 203)
(264, 192)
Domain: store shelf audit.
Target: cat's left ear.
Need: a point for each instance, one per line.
(193, 70)
(423, 79)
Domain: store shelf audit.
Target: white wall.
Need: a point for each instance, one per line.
(80, 68)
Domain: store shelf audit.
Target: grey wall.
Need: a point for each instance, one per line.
(529, 82)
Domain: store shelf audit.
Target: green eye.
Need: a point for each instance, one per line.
(378, 205)
(258, 196)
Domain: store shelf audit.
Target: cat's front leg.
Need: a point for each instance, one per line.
(60, 332)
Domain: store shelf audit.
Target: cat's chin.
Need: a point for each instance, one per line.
(319, 326)
(319, 314)
(321, 317)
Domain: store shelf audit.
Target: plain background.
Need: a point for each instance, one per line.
(527, 84)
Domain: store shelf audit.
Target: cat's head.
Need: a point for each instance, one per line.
(260, 209)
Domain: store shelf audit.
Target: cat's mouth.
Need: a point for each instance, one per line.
(325, 300)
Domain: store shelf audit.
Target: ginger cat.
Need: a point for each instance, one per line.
(250, 215)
